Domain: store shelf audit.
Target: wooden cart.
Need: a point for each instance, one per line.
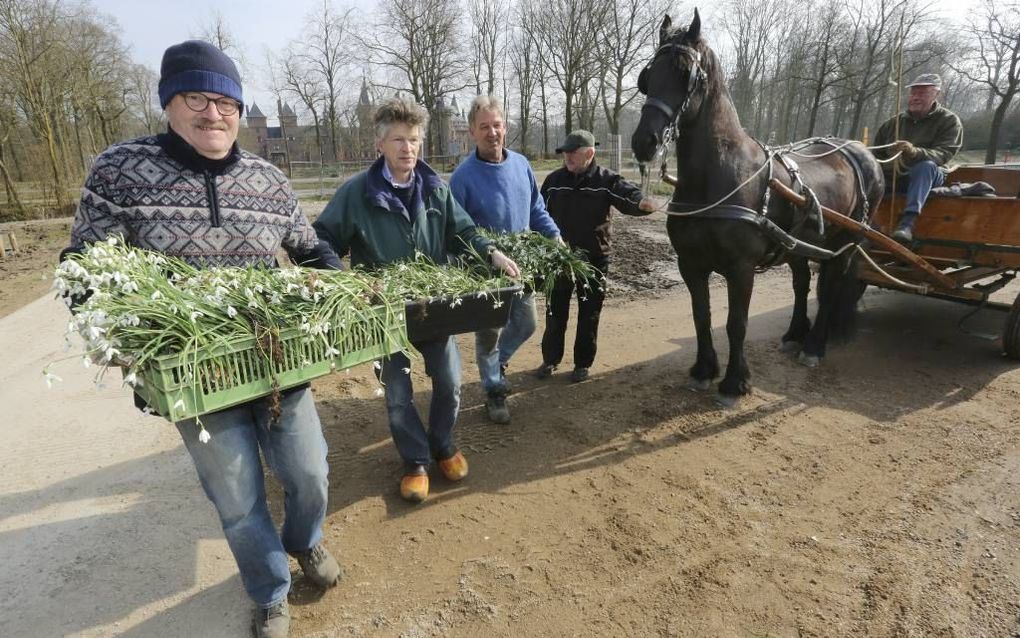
(972, 245)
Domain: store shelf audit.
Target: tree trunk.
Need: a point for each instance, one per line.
(993, 133)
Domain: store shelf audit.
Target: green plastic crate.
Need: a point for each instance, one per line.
(237, 372)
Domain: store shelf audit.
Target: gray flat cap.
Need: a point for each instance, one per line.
(578, 138)
(927, 79)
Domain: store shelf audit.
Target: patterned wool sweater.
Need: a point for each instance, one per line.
(161, 195)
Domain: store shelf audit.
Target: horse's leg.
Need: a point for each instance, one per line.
(800, 324)
(737, 382)
(838, 292)
(706, 366)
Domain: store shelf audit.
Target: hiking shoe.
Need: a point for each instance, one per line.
(272, 621)
(545, 370)
(414, 486)
(495, 407)
(579, 375)
(904, 232)
(454, 468)
(319, 566)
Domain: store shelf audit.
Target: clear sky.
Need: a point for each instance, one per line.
(149, 26)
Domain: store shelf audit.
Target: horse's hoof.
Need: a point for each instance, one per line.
(726, 401)
(808, 360)
(698, 385)
(789, 347)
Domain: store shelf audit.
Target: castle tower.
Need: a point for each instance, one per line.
(256, 121)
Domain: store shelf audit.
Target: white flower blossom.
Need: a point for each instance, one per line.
(195, 314)
(379, 392)
(231, 312)
(50, 378)
(406, 370)
(204, 436)
(179, 405)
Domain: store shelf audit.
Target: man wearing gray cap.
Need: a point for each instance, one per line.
(580, 198)
(192, 193)
(929, 136)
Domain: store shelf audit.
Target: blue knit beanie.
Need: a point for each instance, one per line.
(195, 65)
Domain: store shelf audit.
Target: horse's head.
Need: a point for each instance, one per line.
(674, 83)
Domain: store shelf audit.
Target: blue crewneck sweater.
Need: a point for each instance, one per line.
(503, 197)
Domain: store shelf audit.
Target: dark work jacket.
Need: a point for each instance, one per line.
(581, 205)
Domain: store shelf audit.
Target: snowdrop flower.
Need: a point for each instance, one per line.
(204, 435)
(86, 361)
(497, 304)
(377, 365)
(196, 314)
(332, 352)
(131, 379)
(406, 370)
(50, 378)
(231, 312)
(379, 392)
(129, 287)
(109, 353)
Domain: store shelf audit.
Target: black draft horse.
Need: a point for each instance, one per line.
(724, 219)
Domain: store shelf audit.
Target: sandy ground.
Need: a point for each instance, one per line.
(873, 496)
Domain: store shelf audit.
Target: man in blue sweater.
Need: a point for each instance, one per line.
(497, 188)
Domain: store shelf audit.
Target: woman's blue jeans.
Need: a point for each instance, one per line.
(231, 474)
(416, 444)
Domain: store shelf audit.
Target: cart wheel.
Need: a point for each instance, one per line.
(1011, 334)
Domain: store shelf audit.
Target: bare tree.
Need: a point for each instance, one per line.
(421, 43)
(488, 41)
(293, 75)
(994, 61)
(563, 30)
(625, 43)
(524, 62)
(324, 59)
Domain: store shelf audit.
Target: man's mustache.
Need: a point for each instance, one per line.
(220, 126)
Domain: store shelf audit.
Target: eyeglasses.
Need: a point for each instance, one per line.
(198, 103)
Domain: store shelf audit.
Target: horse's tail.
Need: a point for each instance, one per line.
(839, 290)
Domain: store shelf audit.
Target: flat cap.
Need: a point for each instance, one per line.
(578, 138)
(927, 79)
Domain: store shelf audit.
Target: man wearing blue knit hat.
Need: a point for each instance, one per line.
(193, 194)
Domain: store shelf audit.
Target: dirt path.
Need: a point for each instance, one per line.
(876, 495)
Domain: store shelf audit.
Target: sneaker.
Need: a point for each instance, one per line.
(545, 370)
(414, 486)
(454, 468)
(272, 621)
(319, 566)
(495, 407)
(579, 375)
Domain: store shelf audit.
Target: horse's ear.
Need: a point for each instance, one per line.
(694, 30)
(664, 29)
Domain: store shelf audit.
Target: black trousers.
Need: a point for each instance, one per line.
(589, 310)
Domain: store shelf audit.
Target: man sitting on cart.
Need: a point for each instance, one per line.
(929, 135)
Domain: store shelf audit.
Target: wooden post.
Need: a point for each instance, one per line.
(3, 249)
(14, 243)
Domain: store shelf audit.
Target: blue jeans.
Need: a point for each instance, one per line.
(494, 347)
(917, 184)
(231, 475)
(416, 445)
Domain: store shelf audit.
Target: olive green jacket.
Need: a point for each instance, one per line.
(368, 220)
(937, 136)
